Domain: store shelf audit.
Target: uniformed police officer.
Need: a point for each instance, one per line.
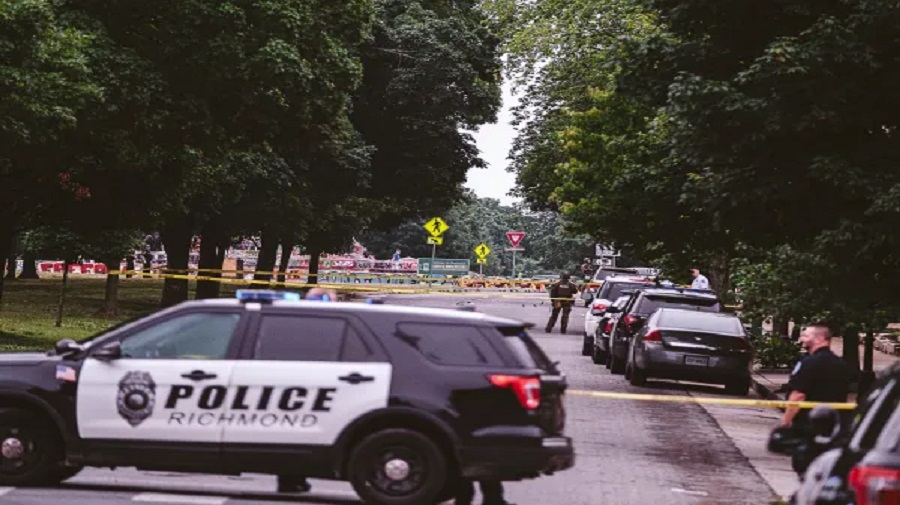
(562, 295)
(821, 376)
(491, 492)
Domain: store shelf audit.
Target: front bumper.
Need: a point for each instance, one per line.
(516, 459)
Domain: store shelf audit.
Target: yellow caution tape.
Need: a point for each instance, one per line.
(709, 401)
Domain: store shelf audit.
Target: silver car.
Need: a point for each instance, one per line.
(692, 346)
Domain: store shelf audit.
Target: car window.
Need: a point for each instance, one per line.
(526, 350)
(700, 322)
(196, 335)
(889, 438)
(299, 338)
(613, 290)
(650, 304)
(875, 410)
(449, 344)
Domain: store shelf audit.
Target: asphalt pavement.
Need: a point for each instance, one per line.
(628, 452)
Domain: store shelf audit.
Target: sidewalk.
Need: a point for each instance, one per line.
(767, 382)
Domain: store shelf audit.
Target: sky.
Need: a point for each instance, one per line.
(494, 141)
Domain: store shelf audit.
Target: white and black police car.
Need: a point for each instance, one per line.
(401, 402)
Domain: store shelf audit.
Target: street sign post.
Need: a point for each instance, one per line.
(515, 238)
(435, 227)
(441, 266)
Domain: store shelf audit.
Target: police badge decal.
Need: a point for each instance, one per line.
(136, 398)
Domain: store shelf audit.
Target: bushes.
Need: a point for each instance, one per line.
(774, 352)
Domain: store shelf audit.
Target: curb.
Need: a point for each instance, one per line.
(765, 391)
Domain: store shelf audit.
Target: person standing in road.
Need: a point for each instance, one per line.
(821, 376)
(562, 295)
(491, 493)
(587, 270)
(700, 280)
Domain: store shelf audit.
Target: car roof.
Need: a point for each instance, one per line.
(635, 278)
(688, 292)
(365, 308)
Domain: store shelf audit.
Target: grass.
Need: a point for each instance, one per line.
(28, 310)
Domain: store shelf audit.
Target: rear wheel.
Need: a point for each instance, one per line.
(586, 346)
(30, 452)
(637, 377)
(616, 365)
(740, 387)
(597, 356)
(398, 467)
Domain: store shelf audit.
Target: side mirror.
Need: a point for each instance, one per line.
(67, 346)
(825, 424)
(109, 352)
(785, 440)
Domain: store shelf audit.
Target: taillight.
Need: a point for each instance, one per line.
(608, 327)
(527, 389)
(600, 306)
(629, 320)
(875, 485)
(653, 336)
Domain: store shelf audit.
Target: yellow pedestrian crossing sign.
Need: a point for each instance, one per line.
(482, 250)
(481, 260)
(436, 227)
(436, 240)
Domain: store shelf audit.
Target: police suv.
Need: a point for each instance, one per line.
(401, 402)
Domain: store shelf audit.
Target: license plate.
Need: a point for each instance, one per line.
(696, 360)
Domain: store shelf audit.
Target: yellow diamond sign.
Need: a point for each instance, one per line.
(436, 227)
(482, 250)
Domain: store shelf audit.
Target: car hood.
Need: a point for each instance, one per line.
(23, 358)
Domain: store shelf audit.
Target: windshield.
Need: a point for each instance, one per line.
(614, 290)
(699, 321)
(649, 304)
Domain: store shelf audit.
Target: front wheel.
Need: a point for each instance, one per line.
(398, 467)
(740, 387)
(30, 452)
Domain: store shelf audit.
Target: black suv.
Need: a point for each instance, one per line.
(642, 304)
(399, 401)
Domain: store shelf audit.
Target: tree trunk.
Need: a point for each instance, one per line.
(111, 295)
(266, 261)
(29, 265)
(867, 375)
(780, 326)
(62, 293)
(720, 278)
(286, 249)
(176, 236)
(314, 253)
(5, 241)
(212, 254)
(11, 263)
(850, 338)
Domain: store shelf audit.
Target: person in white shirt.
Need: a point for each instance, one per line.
(700, 280)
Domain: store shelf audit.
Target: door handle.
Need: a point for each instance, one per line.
(356, 378)
(199, 375)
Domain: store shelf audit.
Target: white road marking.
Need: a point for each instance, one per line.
(685, 491)
(179, 498)
(4, 490)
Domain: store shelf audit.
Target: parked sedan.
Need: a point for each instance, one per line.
(694, 346)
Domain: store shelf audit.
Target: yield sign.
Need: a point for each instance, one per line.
(515, 237)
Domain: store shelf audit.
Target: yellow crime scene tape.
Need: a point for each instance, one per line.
(735, 402)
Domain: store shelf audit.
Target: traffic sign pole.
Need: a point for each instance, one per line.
(514, 264)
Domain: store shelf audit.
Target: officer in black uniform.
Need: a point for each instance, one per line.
(560, 293)
(821, 376)
(491, 492)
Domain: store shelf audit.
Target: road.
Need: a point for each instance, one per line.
(628, 452)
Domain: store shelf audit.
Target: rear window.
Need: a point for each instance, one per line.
(701, 322)
(449, 344)
(614, 290)
(649, 304)
(528, 352)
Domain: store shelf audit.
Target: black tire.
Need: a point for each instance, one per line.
(616, 365)
(42, 456)
(597, 356)
(428, 468)
(67, 472)
(637, 377)
(586, 346)
(741, 387)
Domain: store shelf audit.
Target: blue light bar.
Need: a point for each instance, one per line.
(265, 295)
